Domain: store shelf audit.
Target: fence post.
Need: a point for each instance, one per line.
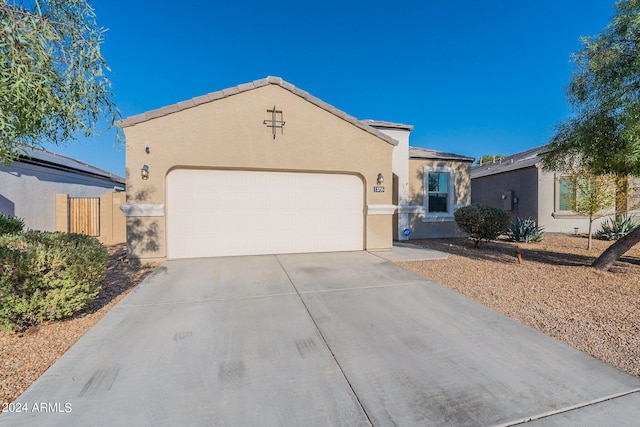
(62, 212)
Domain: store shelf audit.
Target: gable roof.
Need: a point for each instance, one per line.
(39, 157)
(424, 153)
(524, 159)
(213, 96)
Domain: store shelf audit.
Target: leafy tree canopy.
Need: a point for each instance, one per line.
(53, 82)
(603, 135)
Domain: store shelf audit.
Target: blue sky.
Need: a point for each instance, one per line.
(473, 77)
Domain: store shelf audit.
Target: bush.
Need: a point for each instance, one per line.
(616, 228)
(481, 222)
(525, 230)
(10, 224)
(47, 276)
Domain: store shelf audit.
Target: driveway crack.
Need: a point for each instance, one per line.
(569, 408)
(324, 340)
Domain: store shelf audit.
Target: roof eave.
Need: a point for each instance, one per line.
(213, 96)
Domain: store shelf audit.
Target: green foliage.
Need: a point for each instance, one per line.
(603, 135)
(525, 230)
(481, 222)
(47, 276)
(52, 74)
(10, 224)
(592, 194)
(616, 228)
(488, 158)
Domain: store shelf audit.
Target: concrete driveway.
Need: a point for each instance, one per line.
(336, 339)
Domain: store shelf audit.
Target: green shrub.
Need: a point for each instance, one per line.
(616, 228)
(525, 230)
(47, 276)
(481, 222)
(10, 224)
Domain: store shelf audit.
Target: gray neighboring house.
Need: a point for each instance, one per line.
(518, 184)
(28, 186)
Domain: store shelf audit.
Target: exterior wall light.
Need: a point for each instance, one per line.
(144, 172)
(380, 179)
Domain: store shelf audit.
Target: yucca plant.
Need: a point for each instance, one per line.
(525, 230)
(616, 228)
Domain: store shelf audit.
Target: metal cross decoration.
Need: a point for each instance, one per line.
(274, 123)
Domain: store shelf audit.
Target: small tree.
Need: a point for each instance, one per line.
(592, 196)
(481, 222)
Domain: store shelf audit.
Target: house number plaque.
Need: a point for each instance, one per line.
(378, 189)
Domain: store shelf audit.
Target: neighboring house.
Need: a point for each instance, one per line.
(518, 184)
(265, 168)
(29, 185)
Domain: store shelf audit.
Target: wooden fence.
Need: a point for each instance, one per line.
(95, 216)
(84, 215)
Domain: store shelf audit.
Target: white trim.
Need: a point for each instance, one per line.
(438, 216)
(381, 209)
(143, 209)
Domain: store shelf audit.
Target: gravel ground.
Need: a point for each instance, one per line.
(24, 357)
(553, 290)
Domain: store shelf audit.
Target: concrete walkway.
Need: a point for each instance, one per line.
(317, 340)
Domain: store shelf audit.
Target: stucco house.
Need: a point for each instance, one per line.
(519, 185)
(263, 168)
(428, 187)
(29, 185)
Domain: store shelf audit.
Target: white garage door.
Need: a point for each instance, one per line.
(221, 213)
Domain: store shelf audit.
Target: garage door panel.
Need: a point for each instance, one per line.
(223, 213)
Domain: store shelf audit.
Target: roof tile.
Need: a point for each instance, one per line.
(246, 86)
(170, 109)
(200, 99)
(231, 91)
(133, 120)
(215, 95)
(183, 105)
(153, 114)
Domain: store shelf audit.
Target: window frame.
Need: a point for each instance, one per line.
(438, 216)
(560, 213)
(558, 198)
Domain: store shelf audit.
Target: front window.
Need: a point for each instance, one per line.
(438, 192)
(566, 193)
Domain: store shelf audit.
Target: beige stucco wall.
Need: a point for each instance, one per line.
(422, 226)
(229, 133)
(555, 221)
(112, 220)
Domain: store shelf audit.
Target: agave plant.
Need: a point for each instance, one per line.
(525, 230)
(616, 228)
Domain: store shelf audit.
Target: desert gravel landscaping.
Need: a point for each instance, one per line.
(553, 290)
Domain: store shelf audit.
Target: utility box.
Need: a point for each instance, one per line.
(507, 200)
